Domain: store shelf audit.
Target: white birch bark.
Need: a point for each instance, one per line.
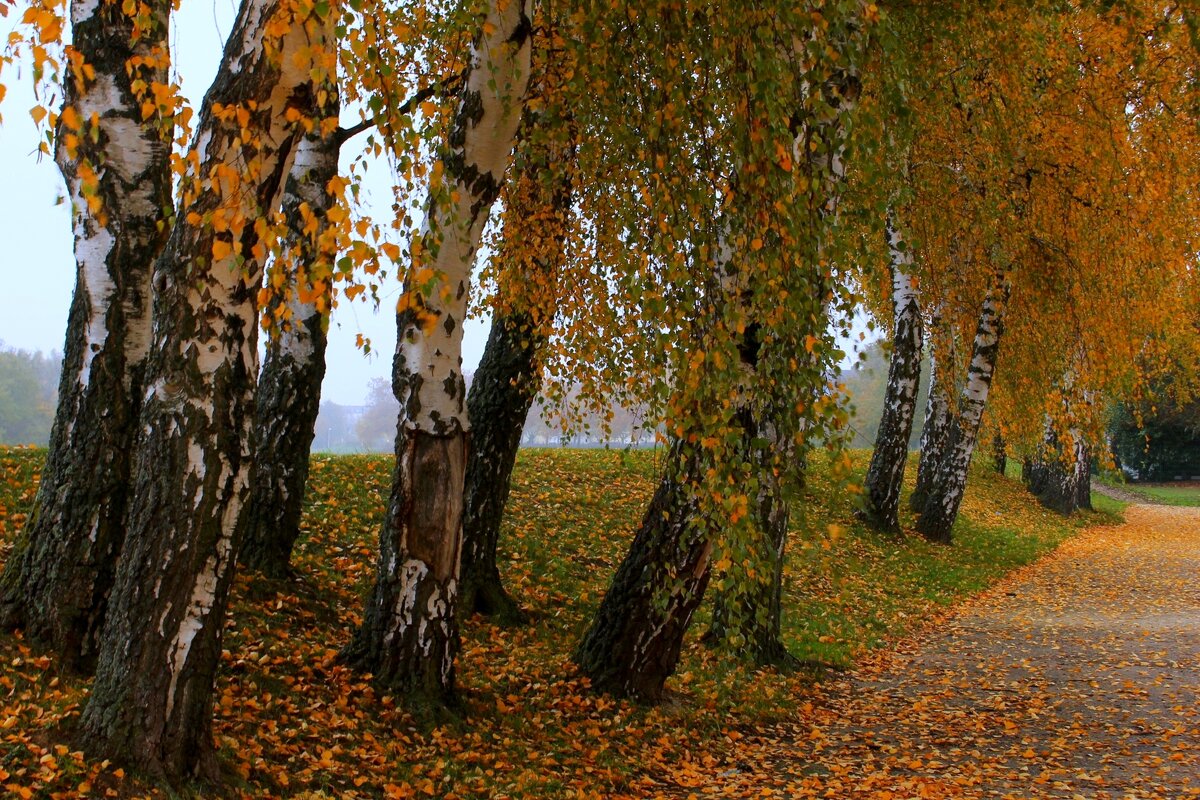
(885, 475)
(409, 637)
(151, 702)
(941, 507)
(116, 166)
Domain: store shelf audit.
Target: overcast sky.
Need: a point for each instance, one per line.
(37, 265)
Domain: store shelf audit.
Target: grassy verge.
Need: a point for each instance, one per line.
(1109, 506)
(292, 722)
(1178, 494)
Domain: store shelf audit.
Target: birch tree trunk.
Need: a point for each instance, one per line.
(936, 430)
(510, 372)
(1060, 480)
(289, 387)
(56, 582)
(409, 636)
(151, 703)
(756, 615)
(634, 641)
(999, 454)
(756, 610)
(1083, 474)
(885, 475)
(941, 507)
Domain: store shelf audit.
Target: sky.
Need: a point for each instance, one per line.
(37, 264)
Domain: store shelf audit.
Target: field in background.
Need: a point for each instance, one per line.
(292, 721)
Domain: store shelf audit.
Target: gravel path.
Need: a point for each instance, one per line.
(1079, 676)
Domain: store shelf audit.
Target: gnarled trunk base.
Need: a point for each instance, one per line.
(633, 644)
(501, 395)
(409, 636)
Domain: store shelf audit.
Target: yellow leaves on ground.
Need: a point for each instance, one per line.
(1072, 677)
(293, 721)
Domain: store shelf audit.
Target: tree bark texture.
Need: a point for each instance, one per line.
(151, 703)
(289, 386)
(941, 507)
(510, 373)
(885, 475)
(1083, 474)
(56, 582)
(502, 392)
(1061, 481)
(634, 641)
(408, 638)
(935, 433)
(756, 614)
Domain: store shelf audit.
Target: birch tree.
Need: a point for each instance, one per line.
(529, 265)
(634, 641)
(408, 638)
(288, 395)
(885, 474)
(151, 702)
(941, 506)
(114, 157)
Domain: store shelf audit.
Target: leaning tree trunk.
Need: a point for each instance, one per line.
(289, 387)
(510, 372)
(634, 640)
(57, 579)
(408, 638)
(885, 475)
(941, 507)
(755, 614)
(936, 430)
(151, 703)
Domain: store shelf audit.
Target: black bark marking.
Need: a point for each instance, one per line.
(56, 582)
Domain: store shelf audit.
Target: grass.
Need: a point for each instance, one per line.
(1170, 494)
(1107, 505)
(291, 721)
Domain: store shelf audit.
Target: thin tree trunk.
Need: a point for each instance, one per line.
(289, 387)
(634, 640)
(409, 635)
(151, 703)
(885, 475)
(510, 372)
(756, 615)
(941, 507)
(1083, 474)
(936, 430)
(56, 582)
(999, 454)
(502, 393)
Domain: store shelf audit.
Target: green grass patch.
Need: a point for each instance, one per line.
(292, 721)
(1109, 507)
(1188, 495)
(1185, 493)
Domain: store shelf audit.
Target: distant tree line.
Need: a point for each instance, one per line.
(28, 394)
